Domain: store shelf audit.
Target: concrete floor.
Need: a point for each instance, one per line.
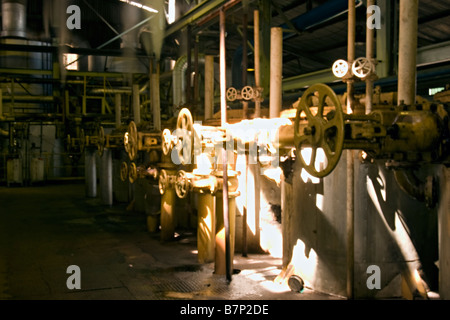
(45, 229)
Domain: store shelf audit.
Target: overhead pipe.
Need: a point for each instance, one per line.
(223, 70)
(155, 97)
(407, 51)
(329, 10)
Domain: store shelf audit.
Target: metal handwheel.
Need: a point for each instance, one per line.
(324, 130)
(231, 94)
(131, 140)
(132, 173)
(123, 171)
(185, 136)
(340, 68)
(167, 141)
(247, 93)
(101, 142)
(362, 67)
(182, 184)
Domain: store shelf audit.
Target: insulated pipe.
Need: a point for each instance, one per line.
(14, 18)
(136, 104)
(90, 173)
(209, 87)
(223, 70)
(350, 164)
(206, 228)
(179, 80)
(167, 211)
(276, 71)
(118, 109)
(106, 181)
(244, 60)
(257, 62)
(370, 50)
(407, 51)
(156, 101)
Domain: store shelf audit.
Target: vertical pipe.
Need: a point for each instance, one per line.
(206, 228)
(67, 104)
(257, 61)
(223, 70)
(90, 173)
(118, 108)
(276, 71)
(407, 51)
(209, 87)
(189, 66)
(1, 103)
(136, 104)
(107, 177)
(196, 75)
(155, 98)
(244, 60)
(370, 50)
(167, 214)
(350, 164)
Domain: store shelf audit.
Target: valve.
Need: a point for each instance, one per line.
(124, 171)
(184, 136)
(232, 94)
(182, 184)
(165, 181)
(340, 68)
(363, 68)
(323, 133)
(132, 173)
(135, 140)
(130, 140)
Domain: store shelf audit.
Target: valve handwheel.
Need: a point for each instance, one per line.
(324, 130)
(101, 141)
(124, 171)
(163, 181)
(247, 93)
(132, 173)
(340, 68)
(130, 140)
(185, 136)
(167, 142)
(231, 94)
(362, 67)
(182, 184)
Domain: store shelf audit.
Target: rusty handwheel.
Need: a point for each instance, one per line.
(182, 184)
(324, 132)
(248, 93)
(231, 94)
(123, 171)
(131, 140)
(167, 141)
(101, 142)
(185, 136)
(132, 173)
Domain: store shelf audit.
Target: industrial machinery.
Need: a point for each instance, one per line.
(404, 136)
(144, 139)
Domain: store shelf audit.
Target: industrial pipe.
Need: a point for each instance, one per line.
(136, 104)
(209, 87)
(276, 72)
(179, 79)
(257, 61)
(155, 97)
(14, 18)
(350, 163)
(223, 70)
(370, 50)
(206, 228)
(106, 181)
(407, 51)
